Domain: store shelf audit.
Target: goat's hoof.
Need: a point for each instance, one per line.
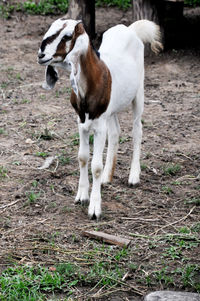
(134, 184)
(94, 217)
(82, 202)
(85, 202)
(94, 213)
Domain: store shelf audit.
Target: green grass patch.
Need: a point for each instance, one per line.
(74, 139)
(167, 190)
(32, 196)
(34, 283)
(2, 131)
(28, 283)
(103, 267)
(63, 158)
(123, 140)
(172, 169)
(6, 10)
(41, 154)
(194, 201)
(45, 7)
(192, 2)
(124, 4)
(3, 172)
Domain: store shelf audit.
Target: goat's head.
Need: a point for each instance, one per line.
(65, 38)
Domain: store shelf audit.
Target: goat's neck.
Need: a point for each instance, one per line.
(93, 71)
(94, 87)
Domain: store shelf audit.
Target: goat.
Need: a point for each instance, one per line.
(103, 84)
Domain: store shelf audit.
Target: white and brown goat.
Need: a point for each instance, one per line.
(103, 84)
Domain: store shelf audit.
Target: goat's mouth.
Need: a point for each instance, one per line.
(46, 62)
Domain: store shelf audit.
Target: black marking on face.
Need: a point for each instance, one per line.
(66, 38)
(50, 39)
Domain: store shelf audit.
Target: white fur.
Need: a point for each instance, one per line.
(122, 50)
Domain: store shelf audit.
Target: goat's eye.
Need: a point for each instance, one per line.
(66, 38)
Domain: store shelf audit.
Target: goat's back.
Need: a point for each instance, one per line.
(120, 41)
(123, 53)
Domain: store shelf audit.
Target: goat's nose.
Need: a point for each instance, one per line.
(41, 55)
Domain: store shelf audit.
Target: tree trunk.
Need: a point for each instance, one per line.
(146, 9)
(83, 10)
(168, 14)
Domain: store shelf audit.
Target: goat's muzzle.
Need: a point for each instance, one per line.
(43, 61)
(41, 55)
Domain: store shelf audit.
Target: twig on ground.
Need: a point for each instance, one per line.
(187, 177)
(135, 289)
(180, 154)
(140, 219)
(140, 235)
(176, 222)
(57, 163)
(8, 205)
(96, 295)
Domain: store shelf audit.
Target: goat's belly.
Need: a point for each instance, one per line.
(122, 95)
(119, 104)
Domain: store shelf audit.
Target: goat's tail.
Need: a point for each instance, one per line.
(148, 32)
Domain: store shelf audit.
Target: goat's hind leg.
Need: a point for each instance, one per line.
(138, 106)
(83, 157)
(113, 129)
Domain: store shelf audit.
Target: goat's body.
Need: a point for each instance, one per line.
(101, 89)
(122, 52)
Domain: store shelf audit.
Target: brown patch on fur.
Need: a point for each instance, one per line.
(61, 50)
(97, 173)
(113, 168)
(82, 162)
(78, 30)
(98, 81)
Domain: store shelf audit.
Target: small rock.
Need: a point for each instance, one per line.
(29, 141)
(172, 296)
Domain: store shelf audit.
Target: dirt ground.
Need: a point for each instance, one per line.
(37, 205)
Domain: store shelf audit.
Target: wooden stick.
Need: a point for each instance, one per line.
(111, 239)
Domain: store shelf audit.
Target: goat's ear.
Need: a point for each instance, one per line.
(79, 29)
(51, 77)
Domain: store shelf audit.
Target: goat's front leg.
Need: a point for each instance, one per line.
(83, 157)
(97, 168)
